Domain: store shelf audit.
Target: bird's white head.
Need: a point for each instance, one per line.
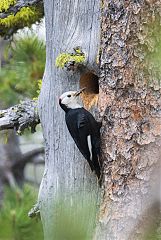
(69, 100)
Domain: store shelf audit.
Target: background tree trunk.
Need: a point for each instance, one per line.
(131, 104)
(67, 175)
(3, 44)
(9, 153)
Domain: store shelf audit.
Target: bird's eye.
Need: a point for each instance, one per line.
(69, 95)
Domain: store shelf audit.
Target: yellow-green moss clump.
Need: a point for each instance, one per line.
(64, 58)
(5, 4)
(25, 17)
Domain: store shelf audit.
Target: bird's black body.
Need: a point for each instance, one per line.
(82, 125)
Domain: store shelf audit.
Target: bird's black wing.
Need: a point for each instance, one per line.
(78, 126)
(82, 124)
(94, 132)
(83, 132)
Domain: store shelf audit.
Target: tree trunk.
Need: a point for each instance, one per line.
(67, 175)
(130, 104)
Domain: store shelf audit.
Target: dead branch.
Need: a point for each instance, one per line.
(19, 117)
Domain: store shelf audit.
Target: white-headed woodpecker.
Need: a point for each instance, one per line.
(84, 129)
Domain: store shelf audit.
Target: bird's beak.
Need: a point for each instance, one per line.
(79, 91)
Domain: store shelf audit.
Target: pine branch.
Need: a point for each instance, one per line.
(13, 9)
(19, 117)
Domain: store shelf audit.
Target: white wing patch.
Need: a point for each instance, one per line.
(89, 146)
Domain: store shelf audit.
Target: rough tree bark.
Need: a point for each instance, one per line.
(131, 104)
(69, 24)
